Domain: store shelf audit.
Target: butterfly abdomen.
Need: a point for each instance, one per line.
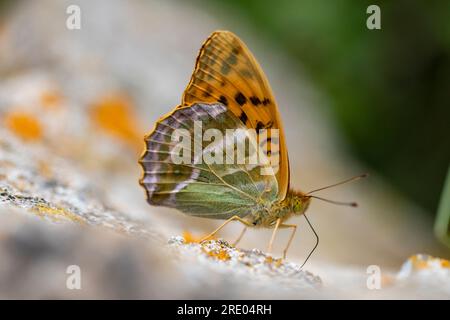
(267, 216)
(295, 203)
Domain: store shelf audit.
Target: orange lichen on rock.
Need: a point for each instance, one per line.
(387, 280)
(115, 115)
(220, 254)
(56, 214)
(24, 125)
(190, 238)
(275, 262)
(51, 99)
(445, 264)
(420, 262)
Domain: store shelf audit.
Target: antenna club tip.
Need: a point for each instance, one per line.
(354, 204)
(364, 175)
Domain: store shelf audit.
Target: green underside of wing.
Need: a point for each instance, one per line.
(222, 202)
(214, 202)
(214, 190)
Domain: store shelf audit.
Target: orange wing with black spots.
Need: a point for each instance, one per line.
(227, 72)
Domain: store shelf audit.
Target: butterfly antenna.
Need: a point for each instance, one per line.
(339, 183)
(340, 203)
(317, 241)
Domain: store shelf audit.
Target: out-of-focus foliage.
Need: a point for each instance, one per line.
(4, 5)
(389, 89)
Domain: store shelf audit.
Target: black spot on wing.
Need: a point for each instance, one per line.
(259, 125)
(266, 101)
(240, 98)
(223, 100)
(225, 68)
(243, 117)
(255, 101)
(232, 59)
(246, 73)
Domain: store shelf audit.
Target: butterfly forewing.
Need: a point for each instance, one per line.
(226, 72)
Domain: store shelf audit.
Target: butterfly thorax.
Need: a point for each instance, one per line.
(295, 203)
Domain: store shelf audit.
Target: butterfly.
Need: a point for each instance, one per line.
(227, 90)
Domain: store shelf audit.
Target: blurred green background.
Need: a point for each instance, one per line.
(389, 89)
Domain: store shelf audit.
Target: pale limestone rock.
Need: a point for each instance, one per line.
(72, 198)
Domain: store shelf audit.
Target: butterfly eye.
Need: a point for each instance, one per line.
(297, 205)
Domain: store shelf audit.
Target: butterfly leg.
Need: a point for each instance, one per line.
(294, 228)
(223, 225)
(240, 237)
(277, 224)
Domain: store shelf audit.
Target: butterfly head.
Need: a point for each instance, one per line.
(298, 201)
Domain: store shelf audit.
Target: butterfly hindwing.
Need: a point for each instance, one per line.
(226, 72)
(212, 190)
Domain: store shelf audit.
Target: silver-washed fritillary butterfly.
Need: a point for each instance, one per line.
(227, 90)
